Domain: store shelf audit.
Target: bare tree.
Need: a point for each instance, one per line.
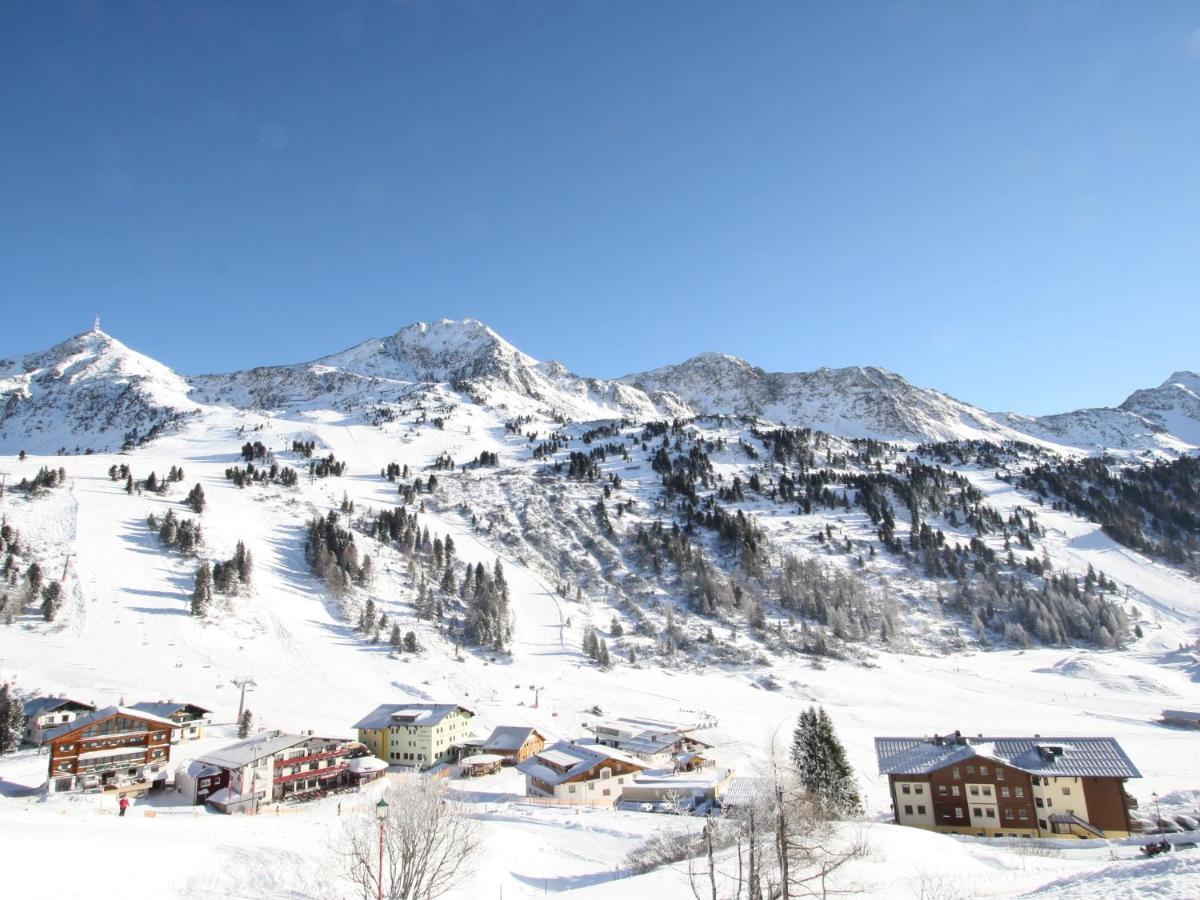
(779, 844)
(430, 843)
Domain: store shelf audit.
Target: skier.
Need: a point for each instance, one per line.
(124, 804)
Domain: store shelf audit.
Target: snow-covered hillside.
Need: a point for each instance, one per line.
(89, 392)
(671, 541)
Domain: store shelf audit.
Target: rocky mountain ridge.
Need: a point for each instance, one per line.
(93, 392)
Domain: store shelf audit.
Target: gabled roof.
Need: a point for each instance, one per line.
(35, 706)
(510, 737)
(166, 710)
(574, 760)
(100, 715)
(1068, 756)
(246, 751)
(421, 715)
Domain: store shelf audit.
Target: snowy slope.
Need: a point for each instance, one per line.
(125, 633)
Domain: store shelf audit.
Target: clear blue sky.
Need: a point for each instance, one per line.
(1000, 200)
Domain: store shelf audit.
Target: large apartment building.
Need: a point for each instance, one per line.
(417, 735)
(1009, 787)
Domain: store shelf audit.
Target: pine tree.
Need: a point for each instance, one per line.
(394, 638)
(195, 499)
(245, 723)
(410, 643)
(821, 766)
(52, 598)
(202, 593)
(12, 719)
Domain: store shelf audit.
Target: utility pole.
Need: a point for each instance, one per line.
(65, 561)
(243, 681)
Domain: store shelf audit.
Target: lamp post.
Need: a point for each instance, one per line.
(381, 813)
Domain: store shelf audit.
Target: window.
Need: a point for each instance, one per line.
(1008, 813)
(920, 810)
(908, 809)
(1004, 792)
(920, 789)
(958, 813)
(970, 770)
(991, 812)
(905, 789)
(570, 788)
(1066, 790)
(983, 770)
(941, 790)
(1042, 824)
(974, 790)
(955, 790)
(977, 812)
(954, 773)
(607, 792)
(999, 774)
(1020, 791)
(987, 790)
(1038, 801)
(1024, 814)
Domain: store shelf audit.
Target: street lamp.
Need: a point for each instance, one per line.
(381, 813)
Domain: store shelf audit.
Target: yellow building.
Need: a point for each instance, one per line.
(418, 735)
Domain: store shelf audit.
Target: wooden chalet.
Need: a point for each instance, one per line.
(112, 748)
(584, 774)
(514, 743)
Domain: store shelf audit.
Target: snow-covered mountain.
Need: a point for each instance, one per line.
(466, 356)
(93, 392)
(853, 402)
(1174, 405)
(90, 391)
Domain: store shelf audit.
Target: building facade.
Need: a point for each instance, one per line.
(1009, 787)
(45, 713)
(270, 767)
(584, 774)
(191, 719)
(111, 748)
(415, 735)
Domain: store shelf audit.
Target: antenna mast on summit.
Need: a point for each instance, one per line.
(96, 325)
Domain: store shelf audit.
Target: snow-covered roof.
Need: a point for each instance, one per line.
(421, 715)
(743, 789)
(508, 737)
(101, 714)
(254, 748)
(198, 769)
(38, 705)
(1181, 715)
(481, 759)
(564, 761)
(166, 710)
(1070, 756)
(365, 764)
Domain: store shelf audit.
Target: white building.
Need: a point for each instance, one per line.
(586, 774)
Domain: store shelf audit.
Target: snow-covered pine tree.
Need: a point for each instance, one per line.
(821, 766)
(12, 719)
(202, 593)
(245, 723)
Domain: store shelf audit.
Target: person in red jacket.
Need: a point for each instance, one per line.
(124, 804)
